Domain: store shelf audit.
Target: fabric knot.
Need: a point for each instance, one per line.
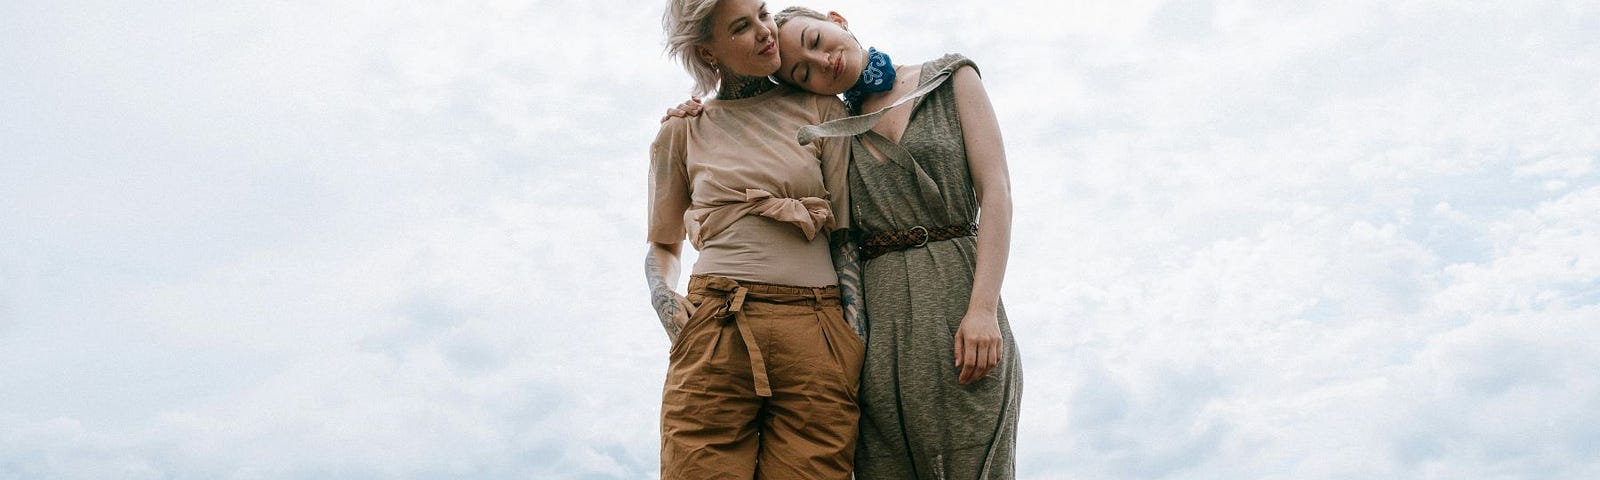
(810, 214)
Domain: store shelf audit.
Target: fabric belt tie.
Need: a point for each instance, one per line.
(876, 244)
(735, 313)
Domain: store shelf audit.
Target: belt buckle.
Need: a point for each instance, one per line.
(924, 235)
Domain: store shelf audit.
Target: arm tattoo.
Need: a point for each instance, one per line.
(662, 298)
(847, 262)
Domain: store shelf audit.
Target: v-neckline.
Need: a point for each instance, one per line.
(916, 105)
(922, 76)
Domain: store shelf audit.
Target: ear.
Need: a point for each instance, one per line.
(705, 55)
(838, 19)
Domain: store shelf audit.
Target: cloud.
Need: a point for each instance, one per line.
(380, 240)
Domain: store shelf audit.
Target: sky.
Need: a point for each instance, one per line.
(404, 239)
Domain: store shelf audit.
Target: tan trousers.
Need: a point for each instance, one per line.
(762, 384)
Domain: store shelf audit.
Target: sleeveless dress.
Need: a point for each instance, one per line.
(916, 420)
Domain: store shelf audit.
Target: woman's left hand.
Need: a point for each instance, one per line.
(689, 108)
(978, 346)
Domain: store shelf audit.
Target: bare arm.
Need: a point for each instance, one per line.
(847, 262)
(669, 197)
(978, 344)
(661, 272)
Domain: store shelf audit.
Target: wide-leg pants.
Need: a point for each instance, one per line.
(762, 384)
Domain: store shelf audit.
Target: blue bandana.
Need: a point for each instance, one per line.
(878, 76)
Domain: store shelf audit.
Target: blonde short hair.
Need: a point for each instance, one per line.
(687, 24)
(797, 11)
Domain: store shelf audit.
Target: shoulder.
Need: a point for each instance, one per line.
(811, 107)
(671, 138)
(674, 127)
(828, 107)
(961, 73)
(954, 62)
(966, 79)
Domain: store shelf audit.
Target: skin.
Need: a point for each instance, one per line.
(823, 57)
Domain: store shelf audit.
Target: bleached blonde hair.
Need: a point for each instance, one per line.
(797, 11)
(687, 24)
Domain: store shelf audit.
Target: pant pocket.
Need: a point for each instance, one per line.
(705, 307)
(849, 352)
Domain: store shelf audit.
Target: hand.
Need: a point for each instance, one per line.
(680, 315)
(978, 346)
(690, 108)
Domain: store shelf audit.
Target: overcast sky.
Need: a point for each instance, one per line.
(365, 239)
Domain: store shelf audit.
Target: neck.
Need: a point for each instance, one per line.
(735, 87)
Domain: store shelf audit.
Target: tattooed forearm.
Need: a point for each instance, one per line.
(662, 297)
(847, 261)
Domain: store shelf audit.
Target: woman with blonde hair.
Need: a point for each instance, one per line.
(764, 368)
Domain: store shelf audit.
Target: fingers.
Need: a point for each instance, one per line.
(682, 317)
(994, 356)
(687, 109)
(969, 360)
(975, 367)
(693, 107)
(959, 344)
(686, 310)
(961, 356)
(688, 307)
(986, 361)
(976, 357)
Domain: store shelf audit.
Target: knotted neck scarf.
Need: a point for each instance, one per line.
(878, 76)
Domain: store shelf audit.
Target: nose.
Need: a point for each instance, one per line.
(819, 61)
(764, 32)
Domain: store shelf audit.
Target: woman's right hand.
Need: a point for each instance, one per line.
(690, 108)
(680, 317)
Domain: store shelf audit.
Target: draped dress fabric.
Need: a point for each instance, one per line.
(917, 421)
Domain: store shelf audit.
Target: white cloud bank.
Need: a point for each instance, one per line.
(403, 239)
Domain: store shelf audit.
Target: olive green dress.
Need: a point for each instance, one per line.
(916, 420)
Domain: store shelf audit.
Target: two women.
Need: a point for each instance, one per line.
(940, 388)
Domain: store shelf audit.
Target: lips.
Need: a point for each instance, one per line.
(769, 49)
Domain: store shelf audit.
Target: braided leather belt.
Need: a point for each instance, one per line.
(877, 244)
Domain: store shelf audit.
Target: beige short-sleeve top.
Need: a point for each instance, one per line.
(755, 203)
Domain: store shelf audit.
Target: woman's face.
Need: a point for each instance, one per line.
(744, 39)
(820, 56)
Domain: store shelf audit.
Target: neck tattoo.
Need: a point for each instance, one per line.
(735, 87)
